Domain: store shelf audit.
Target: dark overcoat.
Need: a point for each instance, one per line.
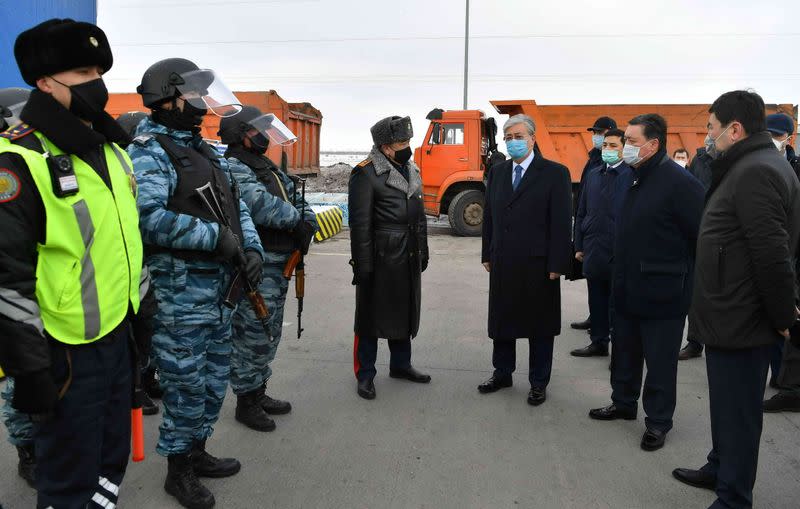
(389, 247)
(526, 235)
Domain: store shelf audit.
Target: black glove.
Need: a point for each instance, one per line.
(228, 244)
(362, 278)
(35, 393)
(302, 234)
(254, 266)
(423, 264)
(794, 334)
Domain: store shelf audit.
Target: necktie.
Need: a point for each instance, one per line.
(517, 177)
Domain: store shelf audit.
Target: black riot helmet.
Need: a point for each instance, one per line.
(130, 120)
(11, 102)
(259, 127)
(178, 77)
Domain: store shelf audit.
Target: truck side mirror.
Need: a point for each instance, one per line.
(435, 137)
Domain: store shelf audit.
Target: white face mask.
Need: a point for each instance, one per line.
(630, 154)
(681, 163)
(780, 144)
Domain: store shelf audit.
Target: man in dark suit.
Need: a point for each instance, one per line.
(595, 223)
(599, 129)
(652, 279)
(526, 248)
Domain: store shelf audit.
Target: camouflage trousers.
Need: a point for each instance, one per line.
(194, 365)
(252, 351)
(20, 427)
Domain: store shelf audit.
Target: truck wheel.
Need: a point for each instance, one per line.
(466, 213)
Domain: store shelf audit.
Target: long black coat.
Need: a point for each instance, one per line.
(526, 235)
(655, 241)
(389, 246)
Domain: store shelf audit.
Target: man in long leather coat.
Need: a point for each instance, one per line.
(389, 246)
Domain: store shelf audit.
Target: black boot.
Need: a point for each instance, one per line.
(250, 413)
(149, 407)
(206, 465)
(183, 484)
(273, 406)
(26, 468)
(151, 384)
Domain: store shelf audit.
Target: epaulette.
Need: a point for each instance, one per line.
(142, 139)
(364, 163)
(17, 132)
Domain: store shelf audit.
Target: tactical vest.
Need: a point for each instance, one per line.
(196, 168)
(274, 240)
(89, 268)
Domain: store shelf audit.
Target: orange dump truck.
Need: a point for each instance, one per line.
(303, 119)
(459, 145)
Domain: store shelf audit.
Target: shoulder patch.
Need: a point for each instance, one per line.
(364, 163)
(17, 132)
(10, 185)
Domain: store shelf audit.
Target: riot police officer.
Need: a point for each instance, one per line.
(66, 297)
(197, 234)
(275, 205)
(20, 427)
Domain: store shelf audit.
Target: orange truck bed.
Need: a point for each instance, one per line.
(303, 119)
(562, 136)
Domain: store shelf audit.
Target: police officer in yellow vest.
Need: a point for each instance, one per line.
(70, 266)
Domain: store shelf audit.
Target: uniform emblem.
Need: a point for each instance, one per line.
(93, 42)
(9, 185)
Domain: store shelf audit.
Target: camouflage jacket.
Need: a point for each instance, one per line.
(188, 292)
(269, 210)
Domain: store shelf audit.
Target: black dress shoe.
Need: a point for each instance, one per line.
(537, 396)
(584, 325)
(697, 478)
(782, 402)
(611, 413)
(593, 350)
(494, 384)
(653, 439)
(410, 374)
(366, 389)
(690, 351)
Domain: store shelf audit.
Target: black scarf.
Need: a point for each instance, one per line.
(65, 129)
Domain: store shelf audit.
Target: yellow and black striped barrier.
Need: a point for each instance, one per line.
(330, 222)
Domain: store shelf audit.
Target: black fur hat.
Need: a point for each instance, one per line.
(391, 130)
(60, 45)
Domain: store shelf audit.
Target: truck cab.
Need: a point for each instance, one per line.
(458, 148)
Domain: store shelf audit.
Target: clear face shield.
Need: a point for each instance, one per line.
(271, 126)
(204, 89)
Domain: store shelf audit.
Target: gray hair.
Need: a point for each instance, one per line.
(521, 118)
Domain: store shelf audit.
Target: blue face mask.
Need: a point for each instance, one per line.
(597, 140)
(517, 148)
(611, 156)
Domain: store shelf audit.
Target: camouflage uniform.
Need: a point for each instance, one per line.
(252, 351)
(192, 336)
(20, 427)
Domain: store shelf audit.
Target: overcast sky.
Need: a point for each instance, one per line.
(361, 60)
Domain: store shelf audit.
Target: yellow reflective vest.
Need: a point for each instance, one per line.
(89, 267)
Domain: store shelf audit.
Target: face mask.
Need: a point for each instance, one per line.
(258, 143)
(682, 164)
(403, 155)
(88, 99)
(187, 120)
(630, 154)
(780, 145)
(597, 140)
(711, 144)
(611, 156)
(517, 148)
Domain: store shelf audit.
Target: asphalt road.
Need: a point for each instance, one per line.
(444, 445)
